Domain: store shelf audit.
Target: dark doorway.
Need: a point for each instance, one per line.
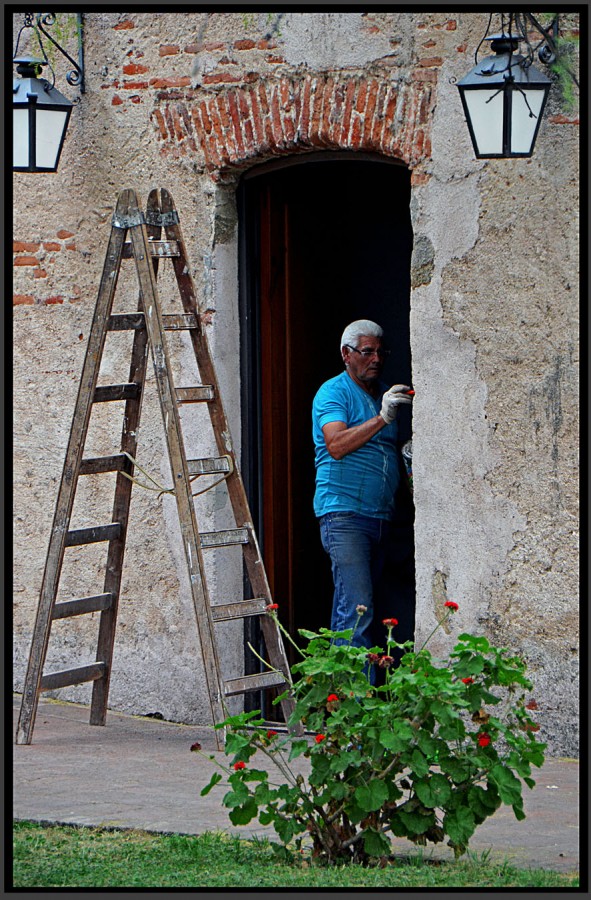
(323, 241)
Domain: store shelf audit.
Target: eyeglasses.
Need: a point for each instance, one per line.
(367, 352)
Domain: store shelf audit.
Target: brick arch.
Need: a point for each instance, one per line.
(267, 118)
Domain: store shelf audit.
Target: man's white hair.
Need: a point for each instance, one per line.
(357, 329)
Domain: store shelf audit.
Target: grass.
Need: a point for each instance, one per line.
(68, 856)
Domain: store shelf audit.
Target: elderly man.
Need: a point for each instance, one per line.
(357, 473)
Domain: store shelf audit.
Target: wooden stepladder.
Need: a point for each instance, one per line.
(137, 236)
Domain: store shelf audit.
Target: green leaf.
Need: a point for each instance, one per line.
(397, 738)
(460, 824)
(508, 785)
(297, 748)
(255, 775)
(375, 843)
(434, 791)
(372, 796)
(483, 802)
(410, 823)
(418, 763)
(242, 815)
(215, 779)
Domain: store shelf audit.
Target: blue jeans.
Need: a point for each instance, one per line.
(357, 548)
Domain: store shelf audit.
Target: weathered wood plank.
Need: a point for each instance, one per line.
(195, 394)
(135, 321)
(108, 392)
(209, 466)
(228, 538)
(93, 535)
(68, 677)
(160, 249)
(224, 612)
(98, 465)
(82, 606)
(253, 683)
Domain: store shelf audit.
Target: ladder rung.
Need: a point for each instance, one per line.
(135, 321)
(224, 538)
(212, 466)
(93, 535)
(83, 605)
(253, 683)
(116, 392)
(240, 610)
(97, 465)
(160, 249)
(194, 394)
(73, 676)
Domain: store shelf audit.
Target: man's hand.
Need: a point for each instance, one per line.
(392, 399)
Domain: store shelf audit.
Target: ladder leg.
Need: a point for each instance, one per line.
(123, 487)
(67, 489)
(237, 494)
(179, 469)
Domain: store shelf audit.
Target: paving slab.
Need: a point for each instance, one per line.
(138, 772)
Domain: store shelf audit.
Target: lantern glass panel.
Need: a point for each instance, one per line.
(20, 142)
(485, 108)
(51, 125)
(523, 125)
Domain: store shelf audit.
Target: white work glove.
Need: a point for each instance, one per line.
(391, 400)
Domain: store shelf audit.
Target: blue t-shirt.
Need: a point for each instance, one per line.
(364, 481)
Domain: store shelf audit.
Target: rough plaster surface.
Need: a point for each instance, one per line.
(494, 312)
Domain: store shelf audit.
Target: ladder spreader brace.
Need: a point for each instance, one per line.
(139, 237)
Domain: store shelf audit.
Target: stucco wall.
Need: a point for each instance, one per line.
(494, 310)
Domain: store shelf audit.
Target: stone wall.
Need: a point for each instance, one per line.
(189, 101)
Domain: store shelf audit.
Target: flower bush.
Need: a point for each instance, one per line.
(429, 753)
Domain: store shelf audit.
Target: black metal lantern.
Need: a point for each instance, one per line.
(504, 98)
(40, 119)
(40, 113)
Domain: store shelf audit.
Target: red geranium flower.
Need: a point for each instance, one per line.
(332, 698)
(272, 606)
(468, 680)
(373, 657)
(385, 661)
(196, 747)
(451, 605)
(483, 739)
(390, 622)
(319, 738)
(271, 734)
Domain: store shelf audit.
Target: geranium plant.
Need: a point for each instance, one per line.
(429, 753)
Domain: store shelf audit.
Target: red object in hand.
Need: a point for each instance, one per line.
(409, 393)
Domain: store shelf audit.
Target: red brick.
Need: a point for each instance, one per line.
(560, 119)
(70, 246)
(430, 43)
(168, 50)
(135, 69)
(183, 81)
(26, 261)
(423, 75)
(193, 48)
(20, 246)
(21, 299)
(304, 125)
(431, 61)
(419, 177)
(377, 127)
(349, 102)
(49, 300)
(51, 246)
(178, 130)
(287, 107)
(276, 118)
(136, 99)
(262, 95)
(244, 45)
(275, 60)
(369, 112)
(63, 234)
(134, 85)
(317, 113)
(246, 118)
(161, 124)
(223, 78)
(236, 123)
(116, 101)
(39, 273)
(124, 26)
(257, 120)
(227, 138)
(214, 45)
